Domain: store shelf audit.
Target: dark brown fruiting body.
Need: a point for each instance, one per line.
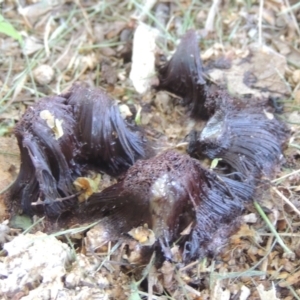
(107, 141)
(250, 141)
(242, 133)
(183, 75)
(93, 136)
(48, 165)
(168, 192)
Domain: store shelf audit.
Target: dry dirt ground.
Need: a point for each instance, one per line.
(45, 46)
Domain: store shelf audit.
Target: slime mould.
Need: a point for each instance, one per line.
(61, 137)
(168, 193)
(249, 141)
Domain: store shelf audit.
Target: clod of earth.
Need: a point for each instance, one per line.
(62, 137)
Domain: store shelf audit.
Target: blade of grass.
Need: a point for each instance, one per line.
(285, 176)
(111, 251)
(134, 286)
(8, 29)
(158, 24)
(7, 77)
(261, 8)
(272, 228)
(248, 273)
(293, 292)
(74, 230)
(33, 225)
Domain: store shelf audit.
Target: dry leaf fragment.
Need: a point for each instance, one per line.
(9, 162)
(36, 10)
(46, 115)
(125, 111)
(218, 293)
(245, 293)
(58, 130)
(269, 115)
(263, 70)
(291, 279)
(32, 45)
(167, 270)
(188, 229)
(97, 239)
(87, 185)
(296, 76)
(248, 232)
(54, 124)
(143, 235)
(270, 294)
(250, 218)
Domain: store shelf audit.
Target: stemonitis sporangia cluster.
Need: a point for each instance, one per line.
(62, 138)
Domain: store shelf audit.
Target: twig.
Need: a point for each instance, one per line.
(272, 228)
(147, 294)
(185, 286)
(265, 263)
(74, 230)
(285, 176)
(282, 234)
(261, 8)
(46, 36)
(294, 145)
(33, 225)
(86, 19)
(286, 200)
(287, 3)
(145, 9)
(182, 144)
(40, 202)
(189, 266)
(7, 187)
(293, 292)
(209, 24)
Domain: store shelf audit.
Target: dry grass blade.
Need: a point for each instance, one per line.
(209, 24)
(286, 200)
(261, 7)
(290, 11)
(273, 230)
(286, 176)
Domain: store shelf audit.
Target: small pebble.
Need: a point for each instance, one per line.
(43, 74)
